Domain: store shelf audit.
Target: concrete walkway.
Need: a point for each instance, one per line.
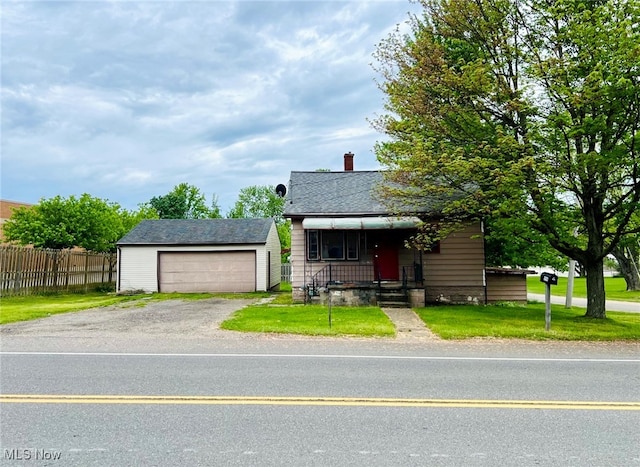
(612, 305)
(408, 325)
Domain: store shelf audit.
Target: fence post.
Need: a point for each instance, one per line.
(45, 276)
(86, 271)
(113, 258)
(55, 259)
(18, 276)
(103, 257)
(67, 271)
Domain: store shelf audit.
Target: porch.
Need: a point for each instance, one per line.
(357, 264)
(362, 284)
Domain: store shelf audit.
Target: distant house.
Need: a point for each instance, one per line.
(200, 255)
(345, 243)
(6, 210)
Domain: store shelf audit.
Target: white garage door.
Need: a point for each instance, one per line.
(220, 271)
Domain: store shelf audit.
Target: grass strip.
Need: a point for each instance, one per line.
(312, 320)
(527, 322)
(24, 308)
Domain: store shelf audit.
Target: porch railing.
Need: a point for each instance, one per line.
(334, 273)
(359, 274)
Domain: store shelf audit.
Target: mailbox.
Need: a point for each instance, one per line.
(549, 278)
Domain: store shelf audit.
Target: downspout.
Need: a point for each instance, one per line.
(119, 260)
(422, 282)
(304, 265)
(484, 269)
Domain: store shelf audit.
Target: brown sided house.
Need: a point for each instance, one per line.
(345, 243)
(345, 238)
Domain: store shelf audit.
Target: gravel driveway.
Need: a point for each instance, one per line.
(170, 318)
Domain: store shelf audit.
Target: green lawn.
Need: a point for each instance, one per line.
(28, 307)
(311, 320)
(24, 308)
(527, 322)
(615, 288)
(282, 316)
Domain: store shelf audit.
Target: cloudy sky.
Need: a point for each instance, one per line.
(125, 99)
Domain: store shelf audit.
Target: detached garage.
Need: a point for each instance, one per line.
(200, 255)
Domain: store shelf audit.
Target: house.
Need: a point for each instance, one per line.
(346, 245)
(200, 255)
(6, 210)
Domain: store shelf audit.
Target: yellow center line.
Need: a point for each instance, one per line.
(313, 401)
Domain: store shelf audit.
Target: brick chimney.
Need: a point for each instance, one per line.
(348, 162)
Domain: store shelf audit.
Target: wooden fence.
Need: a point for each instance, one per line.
(285, 272)
(25, 271)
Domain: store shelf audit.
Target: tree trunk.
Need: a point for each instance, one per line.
(633, 281)
(595, 289)
(627, 268)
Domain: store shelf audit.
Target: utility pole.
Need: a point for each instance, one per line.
(572, 273)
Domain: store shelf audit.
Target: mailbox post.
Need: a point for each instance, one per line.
(549, 280)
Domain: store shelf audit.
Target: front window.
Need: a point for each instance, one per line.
(332, 245)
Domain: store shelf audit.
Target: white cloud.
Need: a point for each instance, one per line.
(125, 99)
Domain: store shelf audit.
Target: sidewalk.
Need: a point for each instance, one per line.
(612, 305)
(408, 325)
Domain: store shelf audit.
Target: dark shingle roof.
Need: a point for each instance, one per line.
(327, 193)
(349, 193)
(198, 232)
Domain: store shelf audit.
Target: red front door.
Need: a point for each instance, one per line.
(385, 263)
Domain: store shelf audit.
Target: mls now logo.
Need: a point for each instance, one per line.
(31, 454)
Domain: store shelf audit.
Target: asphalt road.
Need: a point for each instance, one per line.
(307, 409)
(81, 394)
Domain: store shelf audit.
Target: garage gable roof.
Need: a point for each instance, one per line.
(199, 232)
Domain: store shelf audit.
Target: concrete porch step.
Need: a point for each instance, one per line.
(392, 294)
(392, 304)
(393, 299)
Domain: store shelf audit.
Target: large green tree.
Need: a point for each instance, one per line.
(131, 218)
(516, 244)
(87, 222)
(627, 255)
(520, 109)
(185, 201)
(262, 201)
